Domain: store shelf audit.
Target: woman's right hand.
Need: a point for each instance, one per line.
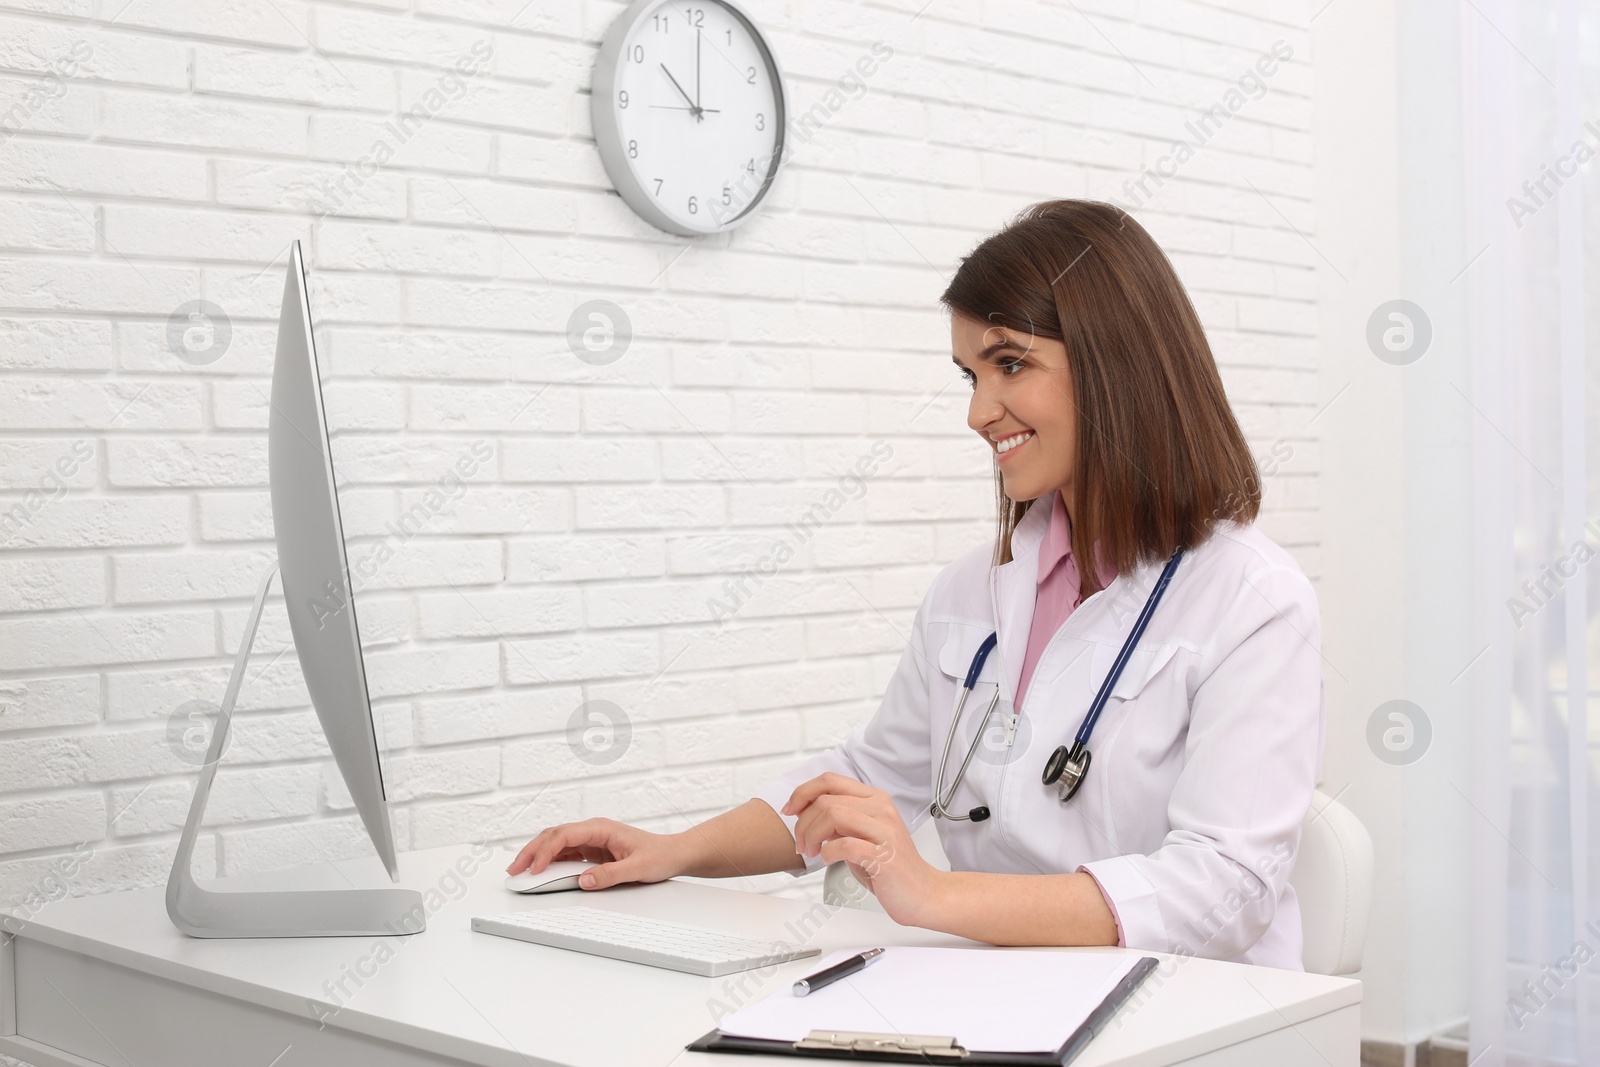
(623, 853)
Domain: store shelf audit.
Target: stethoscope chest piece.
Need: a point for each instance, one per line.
(1069, 767)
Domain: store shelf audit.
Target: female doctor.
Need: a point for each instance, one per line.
(1127, 500)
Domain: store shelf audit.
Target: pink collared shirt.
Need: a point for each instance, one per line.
(1058, 588)
(1056, 598)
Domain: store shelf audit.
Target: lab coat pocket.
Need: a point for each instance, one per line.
(1143, 665)
(961, 644)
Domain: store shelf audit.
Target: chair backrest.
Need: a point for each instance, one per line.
(1332, 880)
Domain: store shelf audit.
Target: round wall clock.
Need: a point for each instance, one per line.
(689, 114)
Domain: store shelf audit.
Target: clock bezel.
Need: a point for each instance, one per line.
(608, 136)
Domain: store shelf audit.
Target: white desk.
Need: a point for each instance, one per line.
(108, 980)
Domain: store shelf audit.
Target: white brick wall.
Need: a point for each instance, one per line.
(579, 559)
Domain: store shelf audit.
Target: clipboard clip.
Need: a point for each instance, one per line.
(914, 1045)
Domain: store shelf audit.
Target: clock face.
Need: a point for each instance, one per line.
(689, 114)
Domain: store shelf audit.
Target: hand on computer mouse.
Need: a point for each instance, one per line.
(622, 853)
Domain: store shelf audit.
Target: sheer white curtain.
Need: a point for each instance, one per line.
(1531, 72)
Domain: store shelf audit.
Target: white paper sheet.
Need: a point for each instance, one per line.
(989, 1000)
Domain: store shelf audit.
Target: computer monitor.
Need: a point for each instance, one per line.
(322, 619)
(312, 563)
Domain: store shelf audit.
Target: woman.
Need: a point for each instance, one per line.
(1115, 448)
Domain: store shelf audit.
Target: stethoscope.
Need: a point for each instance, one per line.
(1068, 766)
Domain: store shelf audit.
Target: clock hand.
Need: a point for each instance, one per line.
(693, 107)
(699, 117)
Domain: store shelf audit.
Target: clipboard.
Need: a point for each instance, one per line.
(930, 1048)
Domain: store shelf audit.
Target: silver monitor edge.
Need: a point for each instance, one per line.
(313, 565)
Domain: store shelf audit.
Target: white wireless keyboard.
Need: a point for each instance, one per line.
(639, 940)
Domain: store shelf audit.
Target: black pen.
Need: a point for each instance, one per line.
(828, 975)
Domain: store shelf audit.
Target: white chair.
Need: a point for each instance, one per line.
(1332, 879)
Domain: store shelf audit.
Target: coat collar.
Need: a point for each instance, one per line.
(1013, 588)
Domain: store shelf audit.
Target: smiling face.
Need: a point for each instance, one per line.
(1022, 404)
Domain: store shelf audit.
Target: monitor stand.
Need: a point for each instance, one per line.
(201, 912)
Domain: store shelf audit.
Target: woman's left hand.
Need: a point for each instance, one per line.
(843, 819)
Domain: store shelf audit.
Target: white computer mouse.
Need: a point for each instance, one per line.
(555, 878)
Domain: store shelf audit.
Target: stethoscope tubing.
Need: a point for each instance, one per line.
(1112, 676)
(1085, 729)
(939, 797)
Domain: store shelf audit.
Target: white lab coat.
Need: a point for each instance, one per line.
(1204, 759)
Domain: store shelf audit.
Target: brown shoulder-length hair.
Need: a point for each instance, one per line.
(1160, 457)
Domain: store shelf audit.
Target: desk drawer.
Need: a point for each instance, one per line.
(96, 1012)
